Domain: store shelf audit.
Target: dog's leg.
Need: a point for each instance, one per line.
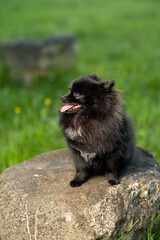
(110, 170)
(82, 174)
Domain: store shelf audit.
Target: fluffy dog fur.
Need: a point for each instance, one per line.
(98, 132)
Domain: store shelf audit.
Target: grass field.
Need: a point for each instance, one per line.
(117, 40)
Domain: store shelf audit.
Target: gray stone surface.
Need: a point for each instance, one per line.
(37, 203)
(26, 59)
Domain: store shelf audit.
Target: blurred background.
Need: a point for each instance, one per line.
(116, 39)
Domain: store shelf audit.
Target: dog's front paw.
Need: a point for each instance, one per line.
(79, 178)
(75, 183)
(113, 180)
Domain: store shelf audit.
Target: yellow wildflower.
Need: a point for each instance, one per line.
(17, 110)
(47, 101)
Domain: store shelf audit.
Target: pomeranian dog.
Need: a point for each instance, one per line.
(98, 132)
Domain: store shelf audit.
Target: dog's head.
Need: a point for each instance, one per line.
(87, 93)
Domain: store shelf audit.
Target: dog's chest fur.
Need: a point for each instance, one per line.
(73, 134)
(88, 156)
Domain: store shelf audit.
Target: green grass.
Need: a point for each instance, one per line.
(124, 235)
(151, 235)
(117, 40)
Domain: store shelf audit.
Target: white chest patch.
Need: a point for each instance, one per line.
(72, 133)
(88, 156)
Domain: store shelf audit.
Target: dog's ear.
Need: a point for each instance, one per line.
(108, 85)
(94, 77)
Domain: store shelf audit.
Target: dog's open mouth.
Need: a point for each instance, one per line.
(70, 108)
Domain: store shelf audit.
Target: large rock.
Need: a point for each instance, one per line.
(28, 58)
(37, 203)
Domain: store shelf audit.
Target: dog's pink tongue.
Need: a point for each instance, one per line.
(65, 108)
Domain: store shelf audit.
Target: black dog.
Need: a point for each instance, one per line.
(97, 130)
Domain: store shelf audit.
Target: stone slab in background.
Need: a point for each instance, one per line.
(37, 203)
(26, 59)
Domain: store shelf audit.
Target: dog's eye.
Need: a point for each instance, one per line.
(77, 95)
